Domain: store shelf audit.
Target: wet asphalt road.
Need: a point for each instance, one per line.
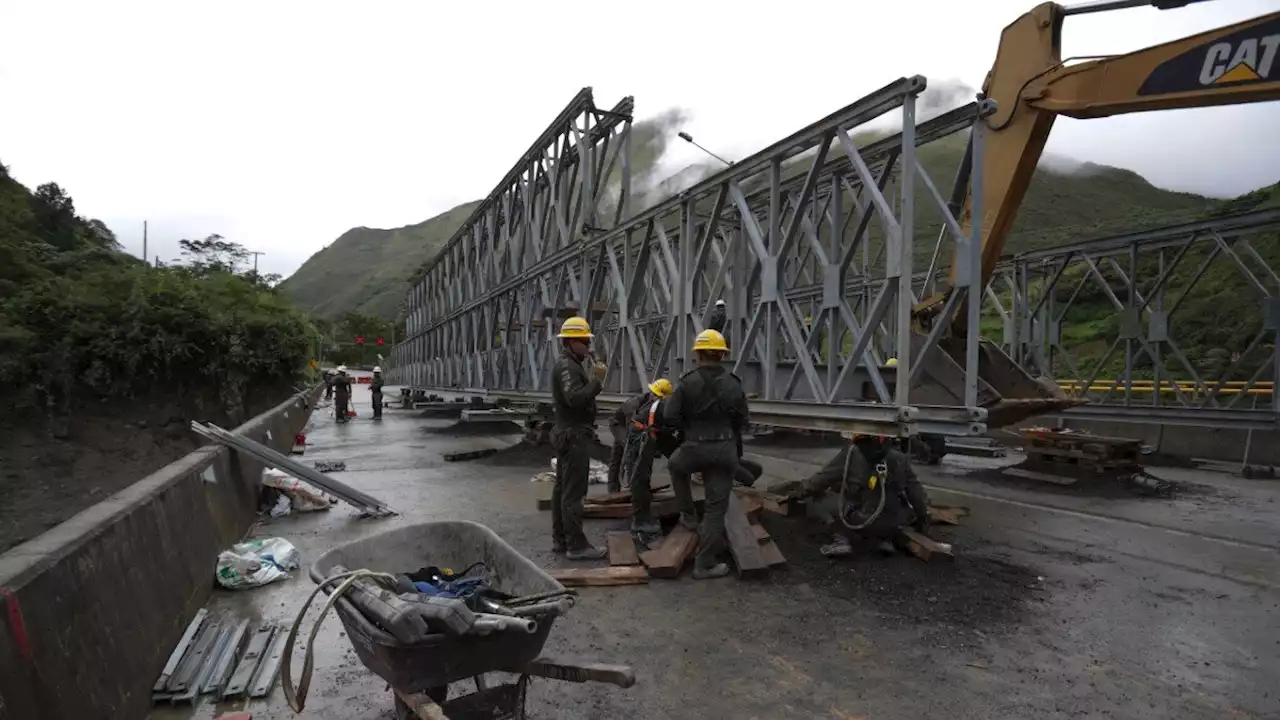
(1058, 605)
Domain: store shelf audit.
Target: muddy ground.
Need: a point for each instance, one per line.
(48, 474)
(1056, 606)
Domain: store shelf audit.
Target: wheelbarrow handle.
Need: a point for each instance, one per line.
(620, 675)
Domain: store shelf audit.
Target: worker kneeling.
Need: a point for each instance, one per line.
(709, 409)
(866, 492)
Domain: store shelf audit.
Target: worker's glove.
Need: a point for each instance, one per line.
(599, 369)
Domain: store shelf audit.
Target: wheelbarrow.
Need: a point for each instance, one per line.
(420, 673)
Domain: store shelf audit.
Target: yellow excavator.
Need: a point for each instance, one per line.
(1032, 86)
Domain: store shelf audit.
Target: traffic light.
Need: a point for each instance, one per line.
(359, 339)
(379, 342)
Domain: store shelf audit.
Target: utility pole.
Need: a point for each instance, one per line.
(255, 255)
(144, 241)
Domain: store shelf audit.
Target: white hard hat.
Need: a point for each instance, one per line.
(342, 368)
(377, 368)
(720, 303)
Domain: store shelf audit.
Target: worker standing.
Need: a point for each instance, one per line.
(328, 384)
(341, 394)
(867, 491)
(620, 427)
(710, 409)
(576, 380)
(375, 387)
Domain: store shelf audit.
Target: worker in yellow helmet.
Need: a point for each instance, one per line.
(867, 492)
(709, 408)
(635, 440)
(576, 380)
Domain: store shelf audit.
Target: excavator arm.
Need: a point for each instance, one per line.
(1031, 85)
(1231, 65)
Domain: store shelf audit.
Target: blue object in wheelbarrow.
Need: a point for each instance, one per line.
(439, 659)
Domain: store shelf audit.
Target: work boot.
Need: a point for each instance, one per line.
(586, 553)
(690, 522)
(708, 573)
(559, 547)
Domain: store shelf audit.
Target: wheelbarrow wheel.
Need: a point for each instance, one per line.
(438, 695)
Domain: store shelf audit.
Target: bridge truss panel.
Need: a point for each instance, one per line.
(573, 182)
(779, 236)
(1133, 297)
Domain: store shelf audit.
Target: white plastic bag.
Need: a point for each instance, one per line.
(598, 474)
(282, 506)
(256, 563)
(302, 496)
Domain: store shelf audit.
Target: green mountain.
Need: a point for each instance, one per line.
(366, 271)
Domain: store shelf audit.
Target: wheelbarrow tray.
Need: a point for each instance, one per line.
(439, 659)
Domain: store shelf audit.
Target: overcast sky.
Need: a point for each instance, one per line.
(280, 125)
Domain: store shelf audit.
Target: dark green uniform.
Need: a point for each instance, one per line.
(574, 391)
(620, 428)
(904, 504)
(341, 397)
(376, 388)
(710, 409)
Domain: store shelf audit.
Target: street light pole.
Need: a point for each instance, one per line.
(689, 139)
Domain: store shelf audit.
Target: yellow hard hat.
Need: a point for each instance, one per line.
(661, 387)
(710, 340)
(575, 327)
(891, 362)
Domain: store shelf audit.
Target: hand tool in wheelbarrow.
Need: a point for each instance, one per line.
(441, 659)
(409, 617)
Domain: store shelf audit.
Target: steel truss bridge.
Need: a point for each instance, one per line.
(810, 243)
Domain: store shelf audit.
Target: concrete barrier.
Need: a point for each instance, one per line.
(91, 609)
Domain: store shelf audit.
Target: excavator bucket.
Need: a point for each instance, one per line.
(1008, 392)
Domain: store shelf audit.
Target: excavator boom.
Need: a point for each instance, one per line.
(1032, 86)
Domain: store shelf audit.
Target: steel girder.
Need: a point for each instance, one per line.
(797, 213)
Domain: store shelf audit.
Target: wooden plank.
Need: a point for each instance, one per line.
(668, 559)
(761, 534)
(772, 502)
(771, 554)
(600, 576)
(750, 506)
(619, 498)
(422, 707)
(925, 548)
(469, 455)
(742, 540)
(591, 511)
(947, 515)
(622, 549)
(663, 505)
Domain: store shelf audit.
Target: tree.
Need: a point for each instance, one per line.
(210, 255)
(55, 216)
(101, 235)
